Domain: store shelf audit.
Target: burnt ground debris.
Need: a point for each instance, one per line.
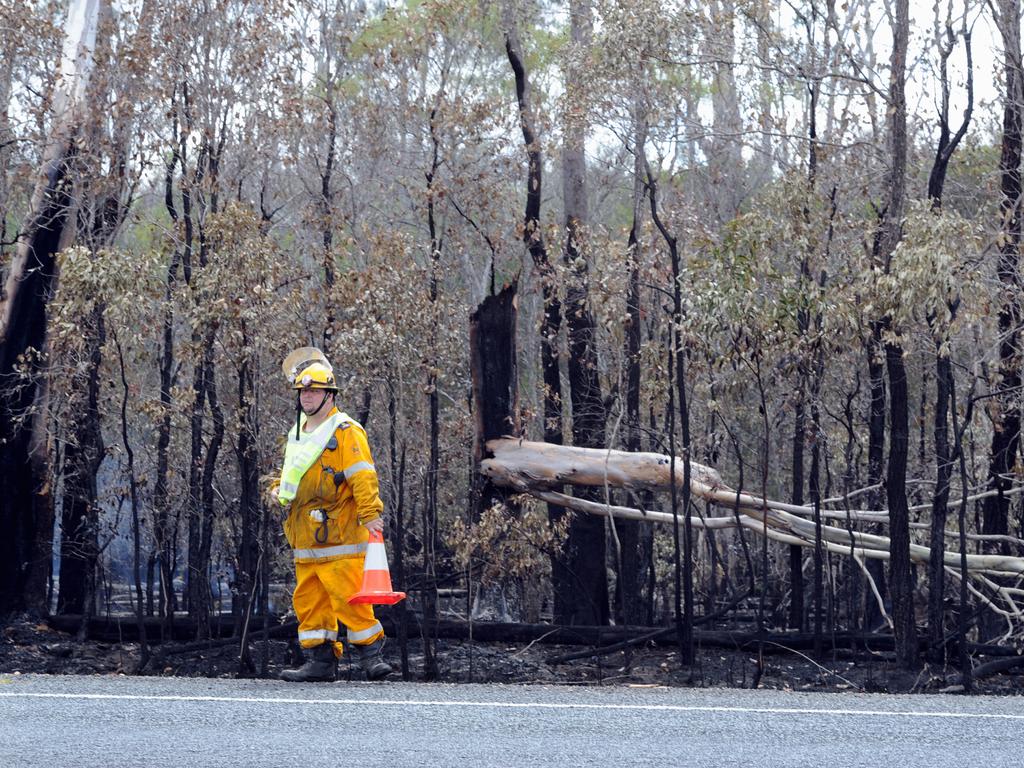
(31, 646)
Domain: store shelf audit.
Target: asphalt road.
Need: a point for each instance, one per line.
(118, 721)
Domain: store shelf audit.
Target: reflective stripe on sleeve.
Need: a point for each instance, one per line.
(359, 466)
(322, 552)
(365, 634)
(318, 634)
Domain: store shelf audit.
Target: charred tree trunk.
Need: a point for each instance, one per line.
(677, 387)
(365, 406)
(586, 547)
(397, 466)
(197, 583)
(103, 197)
(901, 583)
(327, 197)
(249, 492)
(814, 486)
(900, 572)
(816, 375)
(949, 141)
(966, 666)
(200, 492)
(944, 381)
(247, 591)
(551, 321)
(331, 65)
(163, 531)
(203, 193)
(940, 507)
(635, 541)
(796, 555)
(327, 211)
(26, 507)
(79, 545)
(209, 471)
(133, 487)
(876, 458)
(430, 668)
(494, 368)
(796, 559)
(1007, 419)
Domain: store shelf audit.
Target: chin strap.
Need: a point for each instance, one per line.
(320, 407)
(298, 408)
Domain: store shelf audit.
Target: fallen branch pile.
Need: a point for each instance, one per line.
(537, 468)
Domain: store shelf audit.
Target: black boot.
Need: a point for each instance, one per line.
(371, 659)
(321, 667)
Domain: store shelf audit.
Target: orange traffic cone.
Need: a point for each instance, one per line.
(376, 576)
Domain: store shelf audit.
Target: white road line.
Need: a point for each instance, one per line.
(521, 705)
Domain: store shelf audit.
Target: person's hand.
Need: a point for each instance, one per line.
(375, 526)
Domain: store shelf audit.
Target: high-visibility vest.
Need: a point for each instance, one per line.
(300, 453)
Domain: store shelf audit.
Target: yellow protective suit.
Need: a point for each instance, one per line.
(336, 495)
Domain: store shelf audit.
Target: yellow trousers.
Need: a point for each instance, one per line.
(321, 604)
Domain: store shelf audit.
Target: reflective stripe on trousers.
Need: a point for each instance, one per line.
(322, 589)
(318, 634)
(366, 634)
(324, 552)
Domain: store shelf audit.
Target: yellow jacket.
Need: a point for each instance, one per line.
(341, 486)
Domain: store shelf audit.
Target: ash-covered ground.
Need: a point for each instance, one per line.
(30, 646)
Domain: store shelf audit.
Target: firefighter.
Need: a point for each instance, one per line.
(328, 487)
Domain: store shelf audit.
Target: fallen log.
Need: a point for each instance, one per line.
(535, 468)
(531, 464)
(118, 629)
(161, 652)
(789, 528)
(649, 637)
(991, 668)
(125, 629)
